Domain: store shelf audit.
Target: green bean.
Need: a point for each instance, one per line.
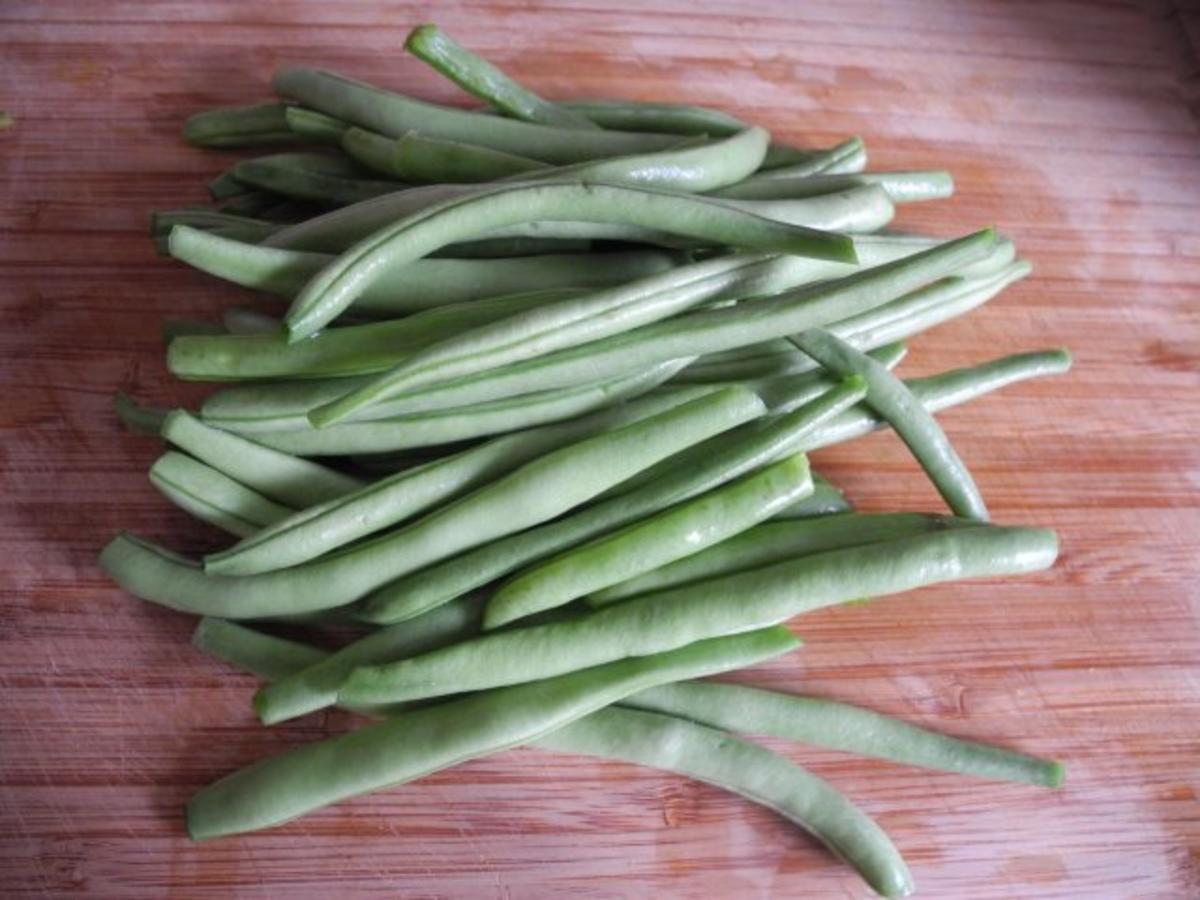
(568, 323)
(352, 350)
(842, 726)
(754, 772)
(244, 227)
(138, 418)
(888, 396)
(251, 204)
(245, 320)
(412, 157)
(848, 156)
(826, 499)
(429, 429)
(477, 76)
(261, 654)
(311, 125)
(402, 495)
(673, 534)
(676, 617)
(764, 364)
(224, 186)
(773, 542)
(279, 476)
(315, 686)
(418, 285)
(723, 458)
(176, 328)
(393, 114)
(311, 176)
(708, 331)
(238, 126)
(667, 118)
(422, 741)
(901, 187)
(335, 287)
(212, 496)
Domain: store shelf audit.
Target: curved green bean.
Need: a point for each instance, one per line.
(138, 418)
(238, 126)
(901, 187)
(773, 542)
(281, 477)
(665, 118)
(264, 655)
(765, 364)
(841, 726)
(746, 769)
(393, 114)
(242, 228)
(723, 458)
(212, 496)
(421, 741)
(674, 618)
(335, 287)
(429, 429)
(848, 156)
(892, 400)
(311, 125)
(658, 540)
(567, 323)
(415, 158)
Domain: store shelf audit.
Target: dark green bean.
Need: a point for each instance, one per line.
(214, 497)
(138, 418)
(312, 176)
(310, 125)
(238, 126)
(261, 654)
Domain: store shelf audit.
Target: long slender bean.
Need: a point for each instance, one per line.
(642, 547)
(429, 429)
(422, 741)
(238, 126)
(901, 187)
(279, 476)
(767, 362)
(826, 499)
(336, 286)
(754, 772)
(138, 418)
(743, 450)
(212, 496)
(311, 177)
(418, 159)
(242, 228)
(568, 323)
(393, 114)
(892, 400)
(264, 655)
(848, 156)
(773, 542)
(477, 76)
(310, 125)
(402, 495)
(841, 726)
(667, 118)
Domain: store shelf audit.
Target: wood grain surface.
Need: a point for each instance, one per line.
(1066, 124)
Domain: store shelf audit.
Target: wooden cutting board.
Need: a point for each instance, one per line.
(1065, 124)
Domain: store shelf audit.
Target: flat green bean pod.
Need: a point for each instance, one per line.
(415, 158)
(238, 126)
(673, 534)
(393, 114)
(891, 399)
(842, 726)
(337, 286)
(734, 603)
(740, 451)
(901, 187)
(773, 542)
(753, 772)
(212, 496)
(281, 477)
(380, 504)
(422, 741)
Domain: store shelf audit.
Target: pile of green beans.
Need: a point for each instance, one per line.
(529, 430)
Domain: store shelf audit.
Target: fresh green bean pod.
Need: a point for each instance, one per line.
(746, 769)
(339, 352)
(765, 364)
(281, 477)
(419, 742)
(477, 76)
(740, 451)
(826, 499)
(393, 114)
(674, 618)
(388, 501)
(644, 546)
(430, 429)
(888, 396)
(418, 159)
(321, 179)
(238, 126)
(419, 285)
(318, 128)
(225, 186)
(841, 726)
(242, 228)
(773, 542)
(570, 322)
(708, 331)
(264, 655)
(901, 187)
(848, 156)
(212, 496)
(138, 418)
(334, 288)
(664, 118)
(251, 203)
